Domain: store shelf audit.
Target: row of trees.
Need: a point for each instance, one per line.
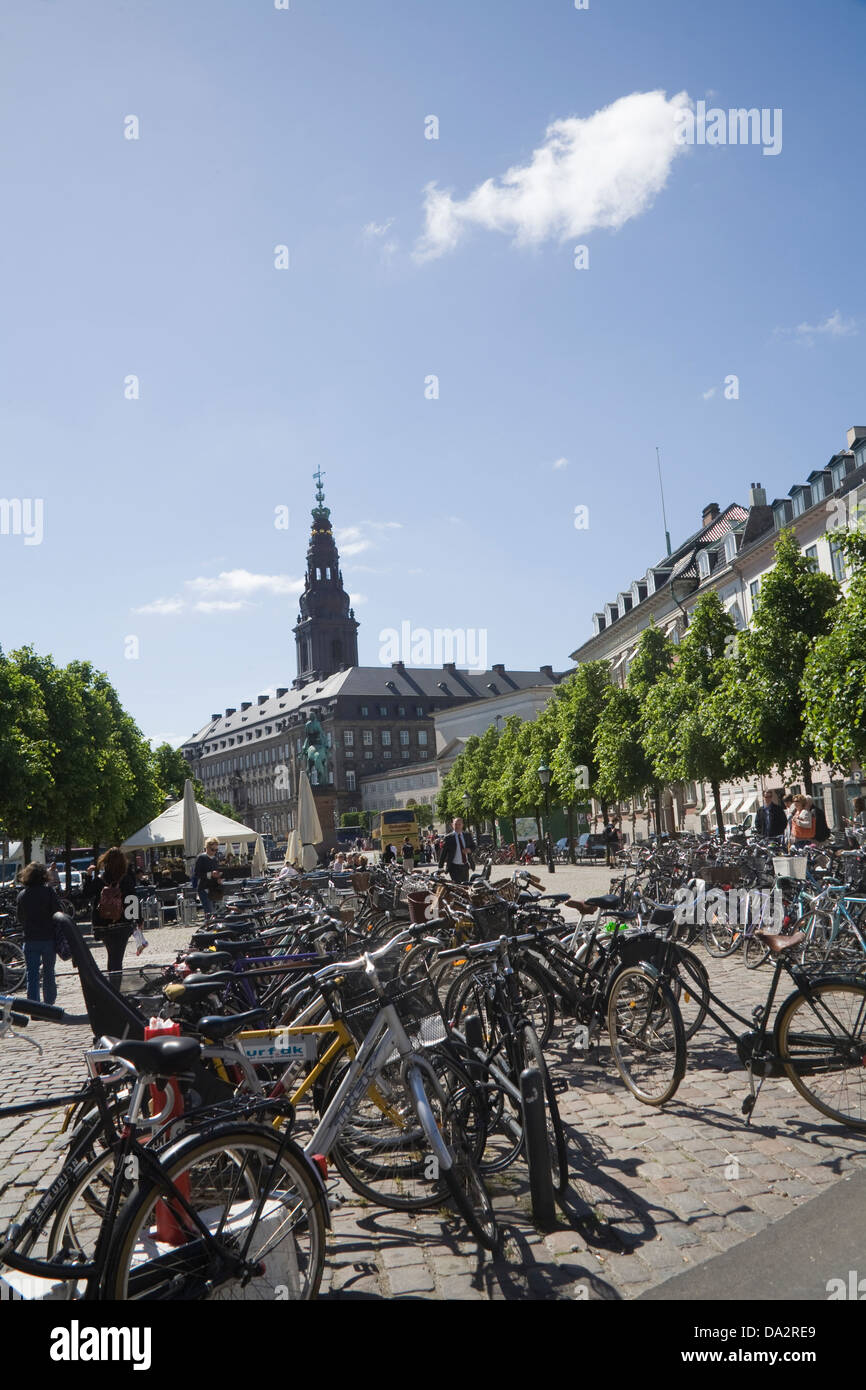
(717, 706)
(74, 767)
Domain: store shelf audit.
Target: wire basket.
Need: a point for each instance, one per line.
(855, 875)
(790, 866)
(492, 920)
(143, 980)
(415, 999)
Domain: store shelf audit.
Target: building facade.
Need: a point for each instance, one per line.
(371, 721)
(729, 554)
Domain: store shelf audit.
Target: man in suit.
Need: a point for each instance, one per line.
(457, 853)
(771, 820)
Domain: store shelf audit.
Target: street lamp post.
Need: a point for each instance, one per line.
(467, 802)
(544, 779)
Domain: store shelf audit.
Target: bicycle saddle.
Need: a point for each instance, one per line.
(159, 1056)
(554, 897)
(606, 900)
(777, 942)
(217, 1026)
(207, 960)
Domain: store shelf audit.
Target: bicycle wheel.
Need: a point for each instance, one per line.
(462, 1180)
(468, 994)
(820, 1038)
(818, 927)
(690, 985)
(382, 1151)
(13, 968)
(256, 1195)
(755, 952)
(646, 1034)
(721, 938)
(532, 1056)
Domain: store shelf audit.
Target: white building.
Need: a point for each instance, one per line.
(730, 553)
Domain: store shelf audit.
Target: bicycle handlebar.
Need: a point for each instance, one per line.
(50, 1012)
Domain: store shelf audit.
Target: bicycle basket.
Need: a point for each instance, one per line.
(492, 920)
(145, 980)
(855, 875)
(790, 866)
(416, 1002)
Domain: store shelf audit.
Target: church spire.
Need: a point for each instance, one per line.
(326, 633)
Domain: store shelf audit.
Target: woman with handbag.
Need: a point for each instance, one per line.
(36, 906)
(115, 906)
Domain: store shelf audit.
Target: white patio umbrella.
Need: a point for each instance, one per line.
(260, 859)
(309, 829)
(193, 835)
(293, 849)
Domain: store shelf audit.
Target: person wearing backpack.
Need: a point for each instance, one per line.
(113, 901)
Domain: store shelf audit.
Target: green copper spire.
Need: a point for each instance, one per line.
(320, 512)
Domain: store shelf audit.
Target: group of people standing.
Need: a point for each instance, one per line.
(800, 820)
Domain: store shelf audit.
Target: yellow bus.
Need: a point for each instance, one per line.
(393, 827)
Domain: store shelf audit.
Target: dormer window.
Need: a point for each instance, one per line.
(730, 547)
(704, 564)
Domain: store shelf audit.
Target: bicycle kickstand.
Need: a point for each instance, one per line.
(752, 1098)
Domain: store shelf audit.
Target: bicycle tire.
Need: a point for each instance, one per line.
(464, 1182)
(13, 968)
(646, 1034)
(141, 1264)
(466, 995)
(817, 1052)
(691, 987)
(755, 952)
(389, 1165)
(721, 939)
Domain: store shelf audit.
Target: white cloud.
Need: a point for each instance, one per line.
(590, 173)
(174, 739)
(708, 395)
(221, 605)
(559, 464)
(456, 521)
(384, 525)
(835, 326)
(378, 229)
(355, 599)
(244, 582)
(350, 540)
(161, 607)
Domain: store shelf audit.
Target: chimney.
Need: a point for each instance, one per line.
(856, 435)
(450, 666)
(757, 495)
(547, 671)
(245, 704)
(230, 712)
(710, 512)
(281, 691)
(263, 699)
(215, 716)
(498, 668)
(398, 666)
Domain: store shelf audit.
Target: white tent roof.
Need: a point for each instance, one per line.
(167, 829)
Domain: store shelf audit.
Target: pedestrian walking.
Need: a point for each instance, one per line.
(113, 903)
(36, 905)
(611, 841)
(408, 854)
(529, 852)
(208, 876)
(457, 853)
(771, 821)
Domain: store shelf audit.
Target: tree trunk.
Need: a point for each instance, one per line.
(657, 804)
(570, 832)
(807, 774)
(513, 819)
(717, 802)
(26, 849)
(538, 825)
(67, 845)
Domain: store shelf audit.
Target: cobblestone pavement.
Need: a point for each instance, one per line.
(652, 1192)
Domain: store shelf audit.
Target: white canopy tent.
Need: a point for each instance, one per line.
(167, 829)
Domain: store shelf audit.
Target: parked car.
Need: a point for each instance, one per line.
(590, 846)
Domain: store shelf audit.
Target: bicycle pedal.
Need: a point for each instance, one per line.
(560, 1085)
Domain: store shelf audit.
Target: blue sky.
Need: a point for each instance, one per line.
(306, 128)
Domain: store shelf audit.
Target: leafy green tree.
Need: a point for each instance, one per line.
(762, 695)
(423, 813)
(506, 767)
(682, 738)
(172, 770)
(25, 755)
(624, 768)
(834, 680)
(577, 707)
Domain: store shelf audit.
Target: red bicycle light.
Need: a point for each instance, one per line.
(321, 1163)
